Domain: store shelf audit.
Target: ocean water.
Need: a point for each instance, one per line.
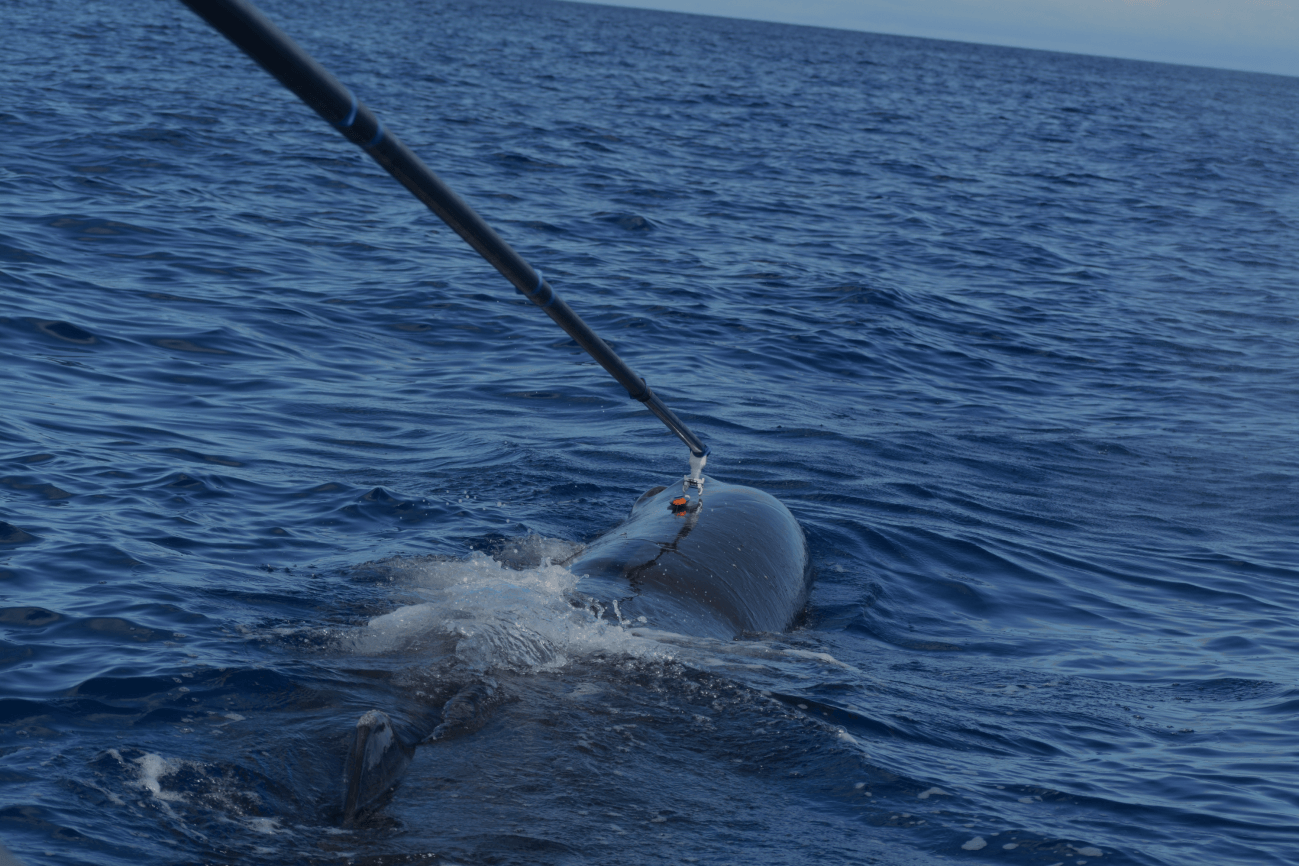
(1013, 334)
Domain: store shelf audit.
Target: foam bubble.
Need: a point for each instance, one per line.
(482, 614)
(820, 657)
(267, 826)
(518, 611)
(151, 770)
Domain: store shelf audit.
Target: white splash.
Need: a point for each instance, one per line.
(486, 615)
(151, 770)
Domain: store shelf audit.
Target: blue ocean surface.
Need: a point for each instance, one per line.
(1014, 335)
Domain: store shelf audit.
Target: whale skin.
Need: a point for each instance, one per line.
(732, 562)
(736, 562)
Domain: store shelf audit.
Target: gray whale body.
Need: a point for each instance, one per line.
(733, 562)
(736, 562)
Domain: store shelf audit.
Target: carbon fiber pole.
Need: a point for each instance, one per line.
(272, 49)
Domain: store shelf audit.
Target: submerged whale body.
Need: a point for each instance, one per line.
(731, 562)
(734, 562)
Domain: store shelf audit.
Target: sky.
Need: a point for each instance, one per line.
(1251, 35)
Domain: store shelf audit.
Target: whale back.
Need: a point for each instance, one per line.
(738, 563)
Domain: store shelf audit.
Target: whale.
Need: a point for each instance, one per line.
(728, 563)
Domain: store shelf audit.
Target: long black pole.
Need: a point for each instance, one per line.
(254, 34)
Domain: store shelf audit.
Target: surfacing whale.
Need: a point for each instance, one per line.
(731, 562)
(734, 561)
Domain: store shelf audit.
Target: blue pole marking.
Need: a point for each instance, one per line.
(378, 137)
(532, 295)
(552, 297)
(541, 281)
(351, 115)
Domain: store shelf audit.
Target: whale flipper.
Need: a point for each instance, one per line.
(375, 764)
